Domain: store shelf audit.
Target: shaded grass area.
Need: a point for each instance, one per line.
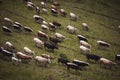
(101, 15)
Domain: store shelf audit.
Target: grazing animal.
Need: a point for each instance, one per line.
(44, 23)
(103, 43)
(73, 17)
(84, 43)
(8, 21)
(50, 45)
(9, 45)
(47, 56)
(59, 36)
(106, 62)
(117, 57)
(52, 26)
(71, 29)
(30, 6)
(85, 26)
(28, 29)
(38, 19)
(45, 11)
(16, 61)
(93, 57)
(42, 35)
(42, 60)
(19, 24)
(44, 27)
(54, 39)
(63, 61)
(73, 66)
(6, 29)
(84, 49)
(37, 9)
(43, 4)
(80, 37)
(53, 7)
(57, 24)
(28, 51)
(17, 27)
(22, 56)
(38, 43)
(80, 63)
(63, 12)
(54, 12)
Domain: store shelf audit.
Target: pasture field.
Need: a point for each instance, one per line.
(103, 17)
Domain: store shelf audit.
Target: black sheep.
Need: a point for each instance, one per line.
(93, 57)
(50, 45)
(63, 61)
(56, 24)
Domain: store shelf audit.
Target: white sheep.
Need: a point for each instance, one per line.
(43, 4)
(85, 50)
(9, 45)
(28, 51)
(106, 62)
(8, 21)
(46, 56)
(38, 43)
(45, 11)
(59, 36)
(44, 27)
(42, 61)
(71, 29)
(73, 16)
(44, 23)
(84, 43)
(31, 3)
(85, 26)
(29, 6)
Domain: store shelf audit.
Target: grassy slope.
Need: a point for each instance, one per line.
(103, 18)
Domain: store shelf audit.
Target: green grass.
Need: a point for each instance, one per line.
(101, 15)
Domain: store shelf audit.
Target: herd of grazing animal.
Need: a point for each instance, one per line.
(16, 25)
(43, 40)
